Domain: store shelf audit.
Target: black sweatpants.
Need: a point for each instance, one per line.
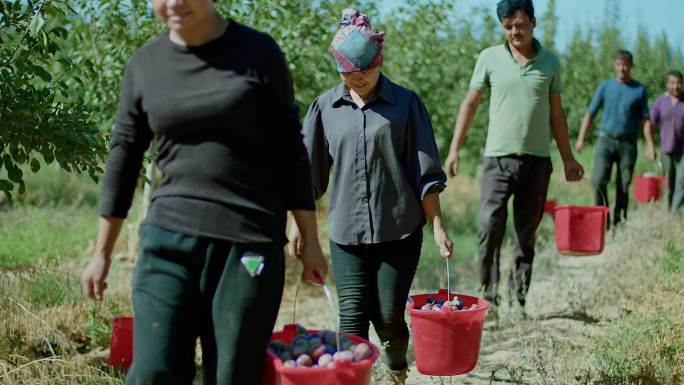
(187, 287)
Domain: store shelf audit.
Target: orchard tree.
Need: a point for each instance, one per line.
(42, 116)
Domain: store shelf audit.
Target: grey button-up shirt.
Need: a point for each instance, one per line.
(383, 158)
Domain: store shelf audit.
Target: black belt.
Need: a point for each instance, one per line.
(630, 137)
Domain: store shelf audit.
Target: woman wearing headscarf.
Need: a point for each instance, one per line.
(372, 140)
(218, 97)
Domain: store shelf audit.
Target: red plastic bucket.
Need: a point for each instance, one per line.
(357, 373)
(446, 343)
(580, 230)
(549, 206)
(121, 348)
(648, 188)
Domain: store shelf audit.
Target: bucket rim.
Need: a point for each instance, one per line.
(585, 208)
(122, 321)
(365, 363)
(412, 310)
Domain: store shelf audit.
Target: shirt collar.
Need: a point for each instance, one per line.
(537, 46)
(668, 98)
(385, 91)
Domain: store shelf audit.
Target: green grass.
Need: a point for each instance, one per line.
(646, 346)
(672, 262)
(642, 349)
(31, 236)
(51, 288)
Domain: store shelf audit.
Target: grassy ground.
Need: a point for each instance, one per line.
(609, 319)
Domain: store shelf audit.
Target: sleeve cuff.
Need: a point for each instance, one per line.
(434, 186)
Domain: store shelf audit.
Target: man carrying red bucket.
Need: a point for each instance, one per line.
(625, 109)
(525, 84)
(668, 113)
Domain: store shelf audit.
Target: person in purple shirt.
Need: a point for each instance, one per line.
(668, 114)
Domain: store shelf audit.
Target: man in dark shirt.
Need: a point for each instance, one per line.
(625, 108)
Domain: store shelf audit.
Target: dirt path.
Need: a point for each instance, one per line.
(566, 309)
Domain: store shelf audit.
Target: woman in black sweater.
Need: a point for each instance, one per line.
(218, 97)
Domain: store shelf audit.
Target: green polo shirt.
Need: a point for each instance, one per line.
(519, 108)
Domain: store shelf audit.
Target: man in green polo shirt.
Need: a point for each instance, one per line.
(525, 111)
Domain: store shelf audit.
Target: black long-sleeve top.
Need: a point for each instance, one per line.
(230, 147)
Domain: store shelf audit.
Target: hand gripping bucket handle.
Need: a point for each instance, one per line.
(333, 315)
(594, 189)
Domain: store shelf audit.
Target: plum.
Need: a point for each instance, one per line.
(330, 348)
(344, 343)
(286, 356)
(299, 350)
(362, 351)
(290, 364)
(324, 360)
(329, 337)
(298, 339)
(318, 352)
(276, 345)
(304, 360)
(343, 356)
(315, 342)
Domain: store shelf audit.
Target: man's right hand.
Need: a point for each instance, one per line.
(451, 164)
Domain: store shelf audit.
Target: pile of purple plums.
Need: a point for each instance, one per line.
(436, 304)
(318, 349)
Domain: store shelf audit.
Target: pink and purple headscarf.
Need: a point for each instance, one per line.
(356, 47)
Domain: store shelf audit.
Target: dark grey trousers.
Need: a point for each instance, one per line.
(674, 171)
(526, 178)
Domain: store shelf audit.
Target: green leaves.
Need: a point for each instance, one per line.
(61, 64)
(39, 117)
(42, 73)
(35, 165)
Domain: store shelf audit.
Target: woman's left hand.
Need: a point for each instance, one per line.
(443, 242)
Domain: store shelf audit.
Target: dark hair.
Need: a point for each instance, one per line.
(625, 55)
(676, 74)
(507, 8)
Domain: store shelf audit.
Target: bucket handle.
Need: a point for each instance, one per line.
(448, 279)
(333, 316)
(587, 181)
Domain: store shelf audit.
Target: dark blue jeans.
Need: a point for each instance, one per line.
(622, 153)
(373, 283)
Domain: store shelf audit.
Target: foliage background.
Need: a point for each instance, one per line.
(62, 61)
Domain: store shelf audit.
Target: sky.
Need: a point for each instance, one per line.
(656, 15)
